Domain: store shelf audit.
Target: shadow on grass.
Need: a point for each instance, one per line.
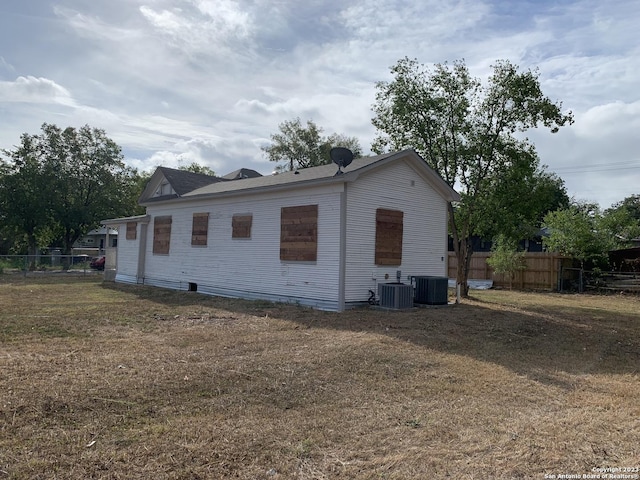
(540, 343)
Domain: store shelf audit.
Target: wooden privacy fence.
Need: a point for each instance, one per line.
(541, 272)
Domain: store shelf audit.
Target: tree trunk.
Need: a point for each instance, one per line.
(464, 262)
(67, 250)
(32, 251)
(462, 249)
(463, 255)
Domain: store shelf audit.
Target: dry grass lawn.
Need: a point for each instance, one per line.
(107, 381)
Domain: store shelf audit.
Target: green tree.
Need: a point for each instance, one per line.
(584, 232)
(516, 200)
(302, 147)
(467, 131)
(580, 232)
(140, 179)
(506, 258)
(630, 204)
(619, 227)
(623, 220)
(64, 182)
(25, 201)
(195, 167)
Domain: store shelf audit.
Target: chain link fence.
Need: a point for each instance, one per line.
(56, 264)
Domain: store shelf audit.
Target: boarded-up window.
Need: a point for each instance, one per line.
(388, 237)
(241, 226)
(200, 229)
(161, 235)
(132, 228)
(299, 233)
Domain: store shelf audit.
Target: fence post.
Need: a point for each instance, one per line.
(581, 282)
(560, 276)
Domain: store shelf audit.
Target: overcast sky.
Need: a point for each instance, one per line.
(178, 81)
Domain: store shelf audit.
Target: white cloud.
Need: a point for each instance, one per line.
(5, 65)
(219, 27)
(210, 80)
(34, 90)
(610, 121)
(93, 27)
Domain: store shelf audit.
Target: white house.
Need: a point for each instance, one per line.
(317, 236)
(96, 238)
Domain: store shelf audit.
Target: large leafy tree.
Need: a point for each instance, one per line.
(25, 201)
(577, 232)
(469, 133)
(299, 146)
(516, 200)
(631, 204)
(624, 218)
(64, 182)
(584, 232)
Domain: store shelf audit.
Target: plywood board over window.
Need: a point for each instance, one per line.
(161, 235)
(132, 228)
(241, 226)
(200, 229)
(389, 225)
(299, 233)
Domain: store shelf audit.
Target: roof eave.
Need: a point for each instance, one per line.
(346, 177)
(120, 221)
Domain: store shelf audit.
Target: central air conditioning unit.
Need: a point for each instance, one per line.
(395, 295)
(431, 290)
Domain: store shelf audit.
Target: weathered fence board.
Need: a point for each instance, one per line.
(541, 272)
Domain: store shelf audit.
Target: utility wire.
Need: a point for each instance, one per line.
(597, 167)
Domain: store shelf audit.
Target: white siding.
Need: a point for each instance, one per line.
(127, 267)
(424, 242)
(250, 268)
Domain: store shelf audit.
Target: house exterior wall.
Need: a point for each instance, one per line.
(128, 251)
(249, 268)
(424, 242)
(344, 270)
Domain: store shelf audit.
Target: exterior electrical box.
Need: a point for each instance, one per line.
(431, 290)
(395, 295)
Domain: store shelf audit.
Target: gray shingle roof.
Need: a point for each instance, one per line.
(188, 185)
(184, 182)
(301, 176)
(241, 173)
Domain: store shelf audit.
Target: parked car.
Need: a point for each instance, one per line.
(97, 263)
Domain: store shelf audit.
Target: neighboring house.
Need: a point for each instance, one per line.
(97, 238)
(317, 236)
(241, 173)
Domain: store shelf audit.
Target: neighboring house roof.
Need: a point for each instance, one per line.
(101, 231)
(242, 173)
(300, 178)
(183, 181)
